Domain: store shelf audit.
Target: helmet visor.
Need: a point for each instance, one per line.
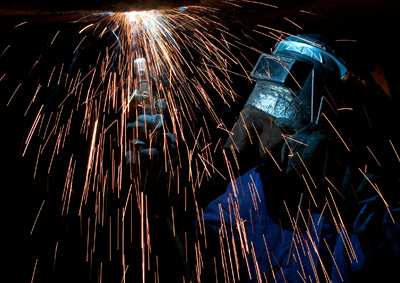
(273, 68)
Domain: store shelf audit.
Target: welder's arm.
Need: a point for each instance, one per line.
(378, 229)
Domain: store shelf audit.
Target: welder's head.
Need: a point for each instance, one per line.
(290, 82)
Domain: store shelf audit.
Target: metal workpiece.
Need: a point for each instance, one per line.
(40, 7)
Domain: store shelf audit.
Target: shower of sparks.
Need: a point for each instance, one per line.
(187, 55)
(186, 61)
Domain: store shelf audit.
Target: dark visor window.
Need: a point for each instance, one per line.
(282, 69)
(274, 68)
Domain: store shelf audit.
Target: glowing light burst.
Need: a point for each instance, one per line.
(188, 69)
(185, 61)
(169, 40)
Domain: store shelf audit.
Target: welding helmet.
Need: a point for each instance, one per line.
(290, 81)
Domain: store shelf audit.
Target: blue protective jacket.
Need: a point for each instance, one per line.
(324, 252)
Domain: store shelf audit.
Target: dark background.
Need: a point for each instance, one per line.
(365, 33)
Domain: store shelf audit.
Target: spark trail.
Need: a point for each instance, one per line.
(188, 68)
(188, 58)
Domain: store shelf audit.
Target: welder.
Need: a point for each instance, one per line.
(311, 211)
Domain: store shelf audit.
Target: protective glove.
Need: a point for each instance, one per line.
(148, 138)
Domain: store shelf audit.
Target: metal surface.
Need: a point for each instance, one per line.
(278, 101)
(43, 6)
(274, 92)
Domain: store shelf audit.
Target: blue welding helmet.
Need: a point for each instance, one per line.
(290, 81)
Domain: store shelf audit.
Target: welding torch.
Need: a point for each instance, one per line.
(144, 131)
